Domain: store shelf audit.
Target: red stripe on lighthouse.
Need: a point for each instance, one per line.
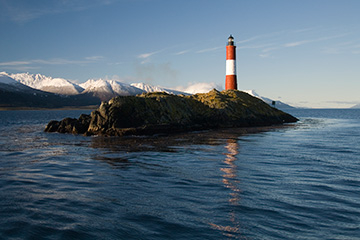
(230, 52)
(230, 80)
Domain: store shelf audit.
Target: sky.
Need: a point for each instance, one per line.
(302, 52)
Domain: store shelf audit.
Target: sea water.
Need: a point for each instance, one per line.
(298, 181)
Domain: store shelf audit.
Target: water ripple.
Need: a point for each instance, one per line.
(293, 182)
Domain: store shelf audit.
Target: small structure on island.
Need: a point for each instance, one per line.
(273, 103)
(230, 80)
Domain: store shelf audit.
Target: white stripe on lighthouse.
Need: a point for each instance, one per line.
(230, 67)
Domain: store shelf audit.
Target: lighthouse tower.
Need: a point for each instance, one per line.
(230, 80)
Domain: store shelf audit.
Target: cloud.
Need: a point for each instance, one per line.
(182, 52)
(299, 43)
(305, 30)
(34, 63)
(194, 88)
(21, 68)
(15, 63)
(146, 55)
(255, 46)
(209, 49)
(22, 11)
(344, 102)
(95, 58)
(269, 43)
(116, 63)
(265, 55)
(295, 44)
(62, 61)
(247, 40)
(58, 61)
(352, 47)
(18, 66)
(269, 49)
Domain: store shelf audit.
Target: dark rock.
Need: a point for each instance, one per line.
(52, 126)
(153, 113)
(70, 125)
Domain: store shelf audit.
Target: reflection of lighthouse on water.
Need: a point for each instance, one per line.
(230, 172)
(229, 178)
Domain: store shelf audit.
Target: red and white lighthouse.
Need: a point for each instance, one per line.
(230, 80)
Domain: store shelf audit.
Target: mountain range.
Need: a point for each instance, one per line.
(39, 91)
(14, 94)
(277, 104)
(47, 84)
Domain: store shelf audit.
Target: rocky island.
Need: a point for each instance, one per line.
(153, 113)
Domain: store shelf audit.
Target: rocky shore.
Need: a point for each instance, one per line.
(153, 113)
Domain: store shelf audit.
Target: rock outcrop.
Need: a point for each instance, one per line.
(152, 113)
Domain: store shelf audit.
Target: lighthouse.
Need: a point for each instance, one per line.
(230, 80)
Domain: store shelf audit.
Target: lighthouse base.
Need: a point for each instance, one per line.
(230, 82)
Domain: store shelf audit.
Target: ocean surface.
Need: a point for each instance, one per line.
(298, 181)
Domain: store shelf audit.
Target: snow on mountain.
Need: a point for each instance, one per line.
(150, 88)
(48, 84)
(107, 89)
(103, 89)
(356, 106)
(252, 93)
(7, 83)
(269, 101)
(6, 79)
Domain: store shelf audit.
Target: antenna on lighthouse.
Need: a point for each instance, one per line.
(230, 80)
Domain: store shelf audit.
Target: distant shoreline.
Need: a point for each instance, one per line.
(90, 107)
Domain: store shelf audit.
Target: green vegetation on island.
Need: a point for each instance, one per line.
(152, 113)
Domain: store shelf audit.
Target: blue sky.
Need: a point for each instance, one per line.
(302, 52)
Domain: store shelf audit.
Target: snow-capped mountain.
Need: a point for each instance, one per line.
(14, 94)
(107, 89)
(7, 83)
(48, 84)
(150, 88)
(269, 101)
(255, 94)
(102, 89)
(6, 79)
(356, 106)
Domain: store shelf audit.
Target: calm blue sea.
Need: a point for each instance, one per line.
(299, 181)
